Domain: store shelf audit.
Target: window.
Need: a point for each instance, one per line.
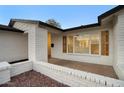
(70, 44)
(95, 44)
(64, 44)
(82, 44)
(105, 43)
(87, 44)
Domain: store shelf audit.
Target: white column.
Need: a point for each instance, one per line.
(41, 47)
(37, 44)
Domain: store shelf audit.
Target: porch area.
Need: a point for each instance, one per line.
(32, 74)
(88, 67)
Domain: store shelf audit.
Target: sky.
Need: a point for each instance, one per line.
(67, 16)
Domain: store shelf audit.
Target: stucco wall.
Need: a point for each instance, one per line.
(97, 59)
(13, 46)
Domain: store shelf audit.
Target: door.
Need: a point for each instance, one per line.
(49, 44)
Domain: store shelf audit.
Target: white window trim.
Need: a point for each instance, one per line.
(90, 46)
(67, 44)
(87, 54)
(74, 44)
(100, 43)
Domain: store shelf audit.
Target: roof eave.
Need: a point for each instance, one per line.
(82, 27)
(7, 28)
(12, 21)
(110, 12)
(102, 16)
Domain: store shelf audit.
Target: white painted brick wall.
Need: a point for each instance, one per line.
(30, 29)
(120, 38)
(7, 70)
(61, 74)
(4, 72)
(73, 77)
(21, 67)
(37, 41)
(41, 45)
(119, 46)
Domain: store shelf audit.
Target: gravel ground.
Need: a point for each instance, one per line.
(32, 79)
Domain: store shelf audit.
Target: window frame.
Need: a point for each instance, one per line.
(82, 53)
(99, 34)
(89, 54)
(89, 45)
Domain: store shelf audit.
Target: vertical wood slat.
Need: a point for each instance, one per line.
(64, 44)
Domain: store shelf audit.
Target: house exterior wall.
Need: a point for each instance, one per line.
(41, 46)
(30, 29)
(120, 39)
(19, 68)
(119, 45)
(13, 46)
(96, 59)
(37, 41)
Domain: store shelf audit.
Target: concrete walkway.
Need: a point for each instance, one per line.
(93, 68)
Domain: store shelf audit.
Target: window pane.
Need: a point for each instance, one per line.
(95, 44)
(105, 43)
(82, 44)
(64, 44)
(70, 44)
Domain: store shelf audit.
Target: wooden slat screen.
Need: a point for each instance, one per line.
(105, 43)
(64, 44)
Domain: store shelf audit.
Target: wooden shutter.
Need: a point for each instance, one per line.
(105, 43)
(64, 44)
